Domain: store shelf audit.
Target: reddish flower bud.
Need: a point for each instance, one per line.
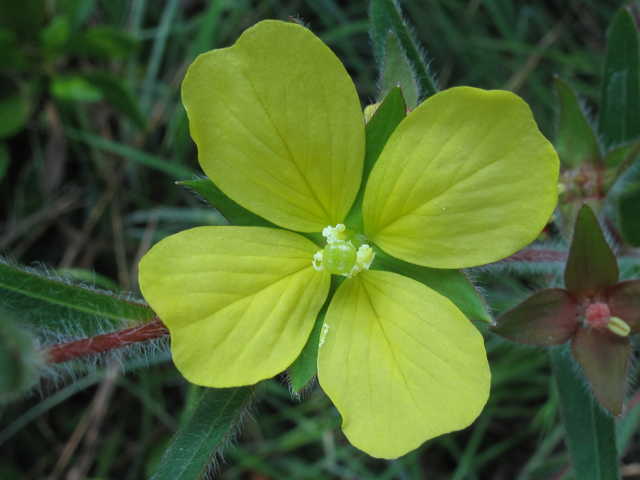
(598, 315)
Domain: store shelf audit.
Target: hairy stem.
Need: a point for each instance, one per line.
(108, 341)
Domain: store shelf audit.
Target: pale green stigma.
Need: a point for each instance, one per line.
(340, 256)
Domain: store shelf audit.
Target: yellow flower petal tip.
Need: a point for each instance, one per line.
(465, 180)
(278, 126)
(401, 363)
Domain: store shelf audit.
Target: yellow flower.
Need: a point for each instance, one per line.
(464, 180)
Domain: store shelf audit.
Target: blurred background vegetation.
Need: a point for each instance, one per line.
(92, 138)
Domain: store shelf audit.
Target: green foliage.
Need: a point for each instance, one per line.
(57, 305)
(590, 432)
(629, 213)
(619, 119)
(212, 424)
(19, 361)
(576, 143)
(386, 17)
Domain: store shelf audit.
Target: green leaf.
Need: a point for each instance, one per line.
(14, 110)
(74, 88)
(397, 72)
(547, 317)
(18, 359)
(590, 432)
(453, 284)
(592, 266)
(629, 215)
(232, 211)
(617, 161)
(11, 56)
(305, 368)
(56, 35)
(386, 17)
(56, 304)
(118, 95)
(380, 127)
(5, 160)
(213, 424)
(104, 42)
(575, 141)
(236, 214)
(619, 120)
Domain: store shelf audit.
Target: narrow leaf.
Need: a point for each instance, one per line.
(305, 368)
(56, 304)
(213, 423)
(604, 358)
(397, 72)
(629, 215)
(453, 284)
(383, 123)
(590, 432)
(548, 317)
(575, 141)
(591, 267)
(386, 17)
(619, 120)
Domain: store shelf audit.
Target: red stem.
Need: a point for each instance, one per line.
(109, 341)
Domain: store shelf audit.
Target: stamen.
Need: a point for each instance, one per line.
(619, 327)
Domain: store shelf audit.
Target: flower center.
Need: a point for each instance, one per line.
(599, 317)
(340, 256)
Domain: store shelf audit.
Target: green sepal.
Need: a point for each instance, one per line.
(576, 142)
(619, 119)
(59, 305)
(592, 266)
(386, 17)
(213, 424)
(547, 317)
(629, 215)
(589, 430)
(617, 161)
(232, 211)
(397, 72)
(380, 127)
(453, 284)
(304, 370)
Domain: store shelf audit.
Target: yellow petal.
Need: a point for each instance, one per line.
(240, 302)
(278, 126)
(401, 363)
(465, 179)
